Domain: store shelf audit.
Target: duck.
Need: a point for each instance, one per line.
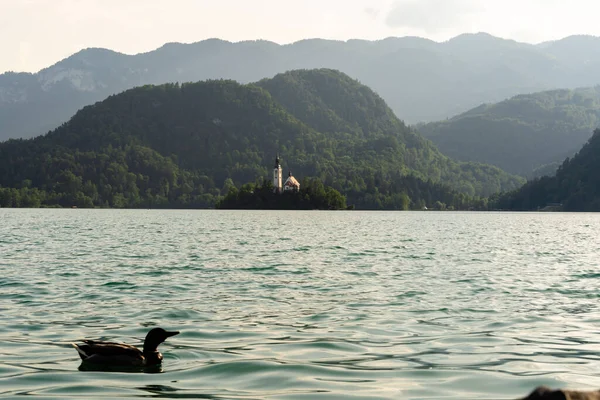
(118, 354)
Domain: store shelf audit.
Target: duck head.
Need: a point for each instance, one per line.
(155, 337)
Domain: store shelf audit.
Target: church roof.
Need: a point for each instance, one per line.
(291, 181)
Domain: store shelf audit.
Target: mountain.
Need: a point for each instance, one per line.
(186, 145)
(527, 134)
(575, 187)
(421, 80)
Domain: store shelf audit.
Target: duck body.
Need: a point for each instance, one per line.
(119, 354)
(115, 353)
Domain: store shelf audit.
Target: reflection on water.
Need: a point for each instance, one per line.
(301, 305)
(90, 367)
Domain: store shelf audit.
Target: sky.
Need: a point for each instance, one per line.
(35, 34)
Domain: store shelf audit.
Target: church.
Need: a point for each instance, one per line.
(290, 185)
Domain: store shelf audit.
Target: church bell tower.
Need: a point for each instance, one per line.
(277, 176)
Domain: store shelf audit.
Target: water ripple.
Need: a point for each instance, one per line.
(301, 305)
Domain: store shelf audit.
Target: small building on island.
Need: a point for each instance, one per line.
(290, 185)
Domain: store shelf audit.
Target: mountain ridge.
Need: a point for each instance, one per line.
(523, 133)
(419, 78)
(420, 39)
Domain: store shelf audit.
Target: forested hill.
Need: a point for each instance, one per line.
(185, 145)
(351, 113)
(522, 134)
(576, 186)
(422, 80)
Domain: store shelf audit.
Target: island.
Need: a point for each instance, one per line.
(312, 194)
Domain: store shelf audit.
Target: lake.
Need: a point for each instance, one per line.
(302, 305)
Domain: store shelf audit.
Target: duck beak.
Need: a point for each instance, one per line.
(169, 334)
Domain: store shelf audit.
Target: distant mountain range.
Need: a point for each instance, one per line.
(185, 145)
(528, 134)
(420, 79)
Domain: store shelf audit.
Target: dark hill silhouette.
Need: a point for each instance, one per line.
(575, 187)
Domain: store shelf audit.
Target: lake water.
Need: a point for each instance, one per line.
(302, 305)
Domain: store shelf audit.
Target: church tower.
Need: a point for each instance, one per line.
(277, 177)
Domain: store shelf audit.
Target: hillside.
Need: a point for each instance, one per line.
(576, 186)
(185, 145)
(420, 79)
(521, 135)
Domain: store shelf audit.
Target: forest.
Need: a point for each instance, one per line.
(186, 145)
(313, 195)
(575, 187)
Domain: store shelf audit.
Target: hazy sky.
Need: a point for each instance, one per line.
(37, 33)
